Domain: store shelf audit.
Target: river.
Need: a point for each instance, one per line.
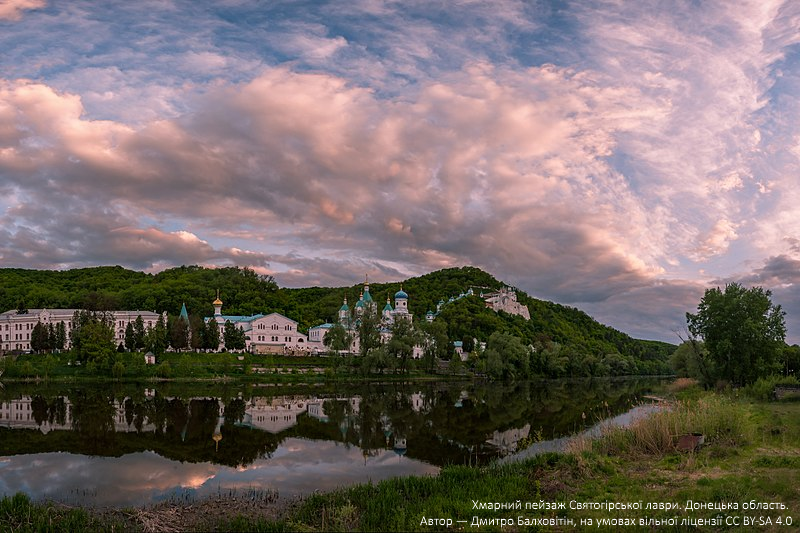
(131, 445)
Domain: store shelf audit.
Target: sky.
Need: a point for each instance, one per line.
(619, 157)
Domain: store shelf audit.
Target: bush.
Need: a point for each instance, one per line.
(164, 370)
(763, 388)
(118, 370)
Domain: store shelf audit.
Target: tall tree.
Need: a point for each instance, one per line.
(233, 337)
(211, 338)
(743, 332)
(39, 339)
(157, 337)
(179, 333)
(338, 339)
(138, 333)
(61, 336)
(401, 345)
(130, 338)
(369, 335)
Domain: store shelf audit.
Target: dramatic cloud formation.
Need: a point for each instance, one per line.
(616, 158)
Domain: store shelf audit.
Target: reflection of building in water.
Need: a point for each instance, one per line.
(18, 414)
(273, 414)
(280, 413)
(506, 441)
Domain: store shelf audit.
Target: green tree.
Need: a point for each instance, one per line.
(338, 339)
(157, 337)
(233, 337)
(61, 336)
(401, 345)
(179, 334)
(196, 327)
(139, 333)
(506, 357)
(118, 370)
(211, 336)
(97, 343)
(456, 365)
(39, 339)
(130, 338)
(743, 332)
(369, 335)
(437, 344)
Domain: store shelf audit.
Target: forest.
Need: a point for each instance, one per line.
(565, 338)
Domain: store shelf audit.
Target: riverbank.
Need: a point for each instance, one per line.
(751, 453)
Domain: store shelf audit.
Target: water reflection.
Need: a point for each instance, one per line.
(131, 446)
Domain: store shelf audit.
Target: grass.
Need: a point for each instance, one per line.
(720, 420)
(19, 514)
(752, 453)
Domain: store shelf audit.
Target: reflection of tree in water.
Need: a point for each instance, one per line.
(39, 409)
(439, 423)
(177, 418)
(57, 411)
(93, 420)
(53, 411)
(234, 411)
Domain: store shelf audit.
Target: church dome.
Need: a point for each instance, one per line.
(401, 294)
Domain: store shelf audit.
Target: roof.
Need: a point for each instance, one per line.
(240, 318)
(326, 325)
(401, 294)
(184, 314)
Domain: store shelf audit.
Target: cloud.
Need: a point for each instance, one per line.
(589, 155)
(13, 9)
(473, 166)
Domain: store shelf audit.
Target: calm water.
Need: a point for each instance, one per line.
(128, 445)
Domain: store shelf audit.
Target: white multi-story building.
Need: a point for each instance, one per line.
(16, 328)
(506, 300)
(272, 333)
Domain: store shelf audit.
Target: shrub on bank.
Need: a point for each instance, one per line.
(720, 420)
(763, 388)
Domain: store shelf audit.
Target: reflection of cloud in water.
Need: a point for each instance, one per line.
(301, 466)
(104, 481)
(297, 467)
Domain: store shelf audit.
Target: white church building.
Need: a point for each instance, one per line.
(271, 333)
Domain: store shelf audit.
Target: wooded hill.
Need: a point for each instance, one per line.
(244, 292)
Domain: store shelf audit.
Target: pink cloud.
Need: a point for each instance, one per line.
(13, 9)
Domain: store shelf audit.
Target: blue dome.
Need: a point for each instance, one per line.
(401, 294)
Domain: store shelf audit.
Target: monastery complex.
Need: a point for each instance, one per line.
(270, 333)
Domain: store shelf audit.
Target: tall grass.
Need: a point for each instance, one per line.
(18, 513)
(720, 420)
